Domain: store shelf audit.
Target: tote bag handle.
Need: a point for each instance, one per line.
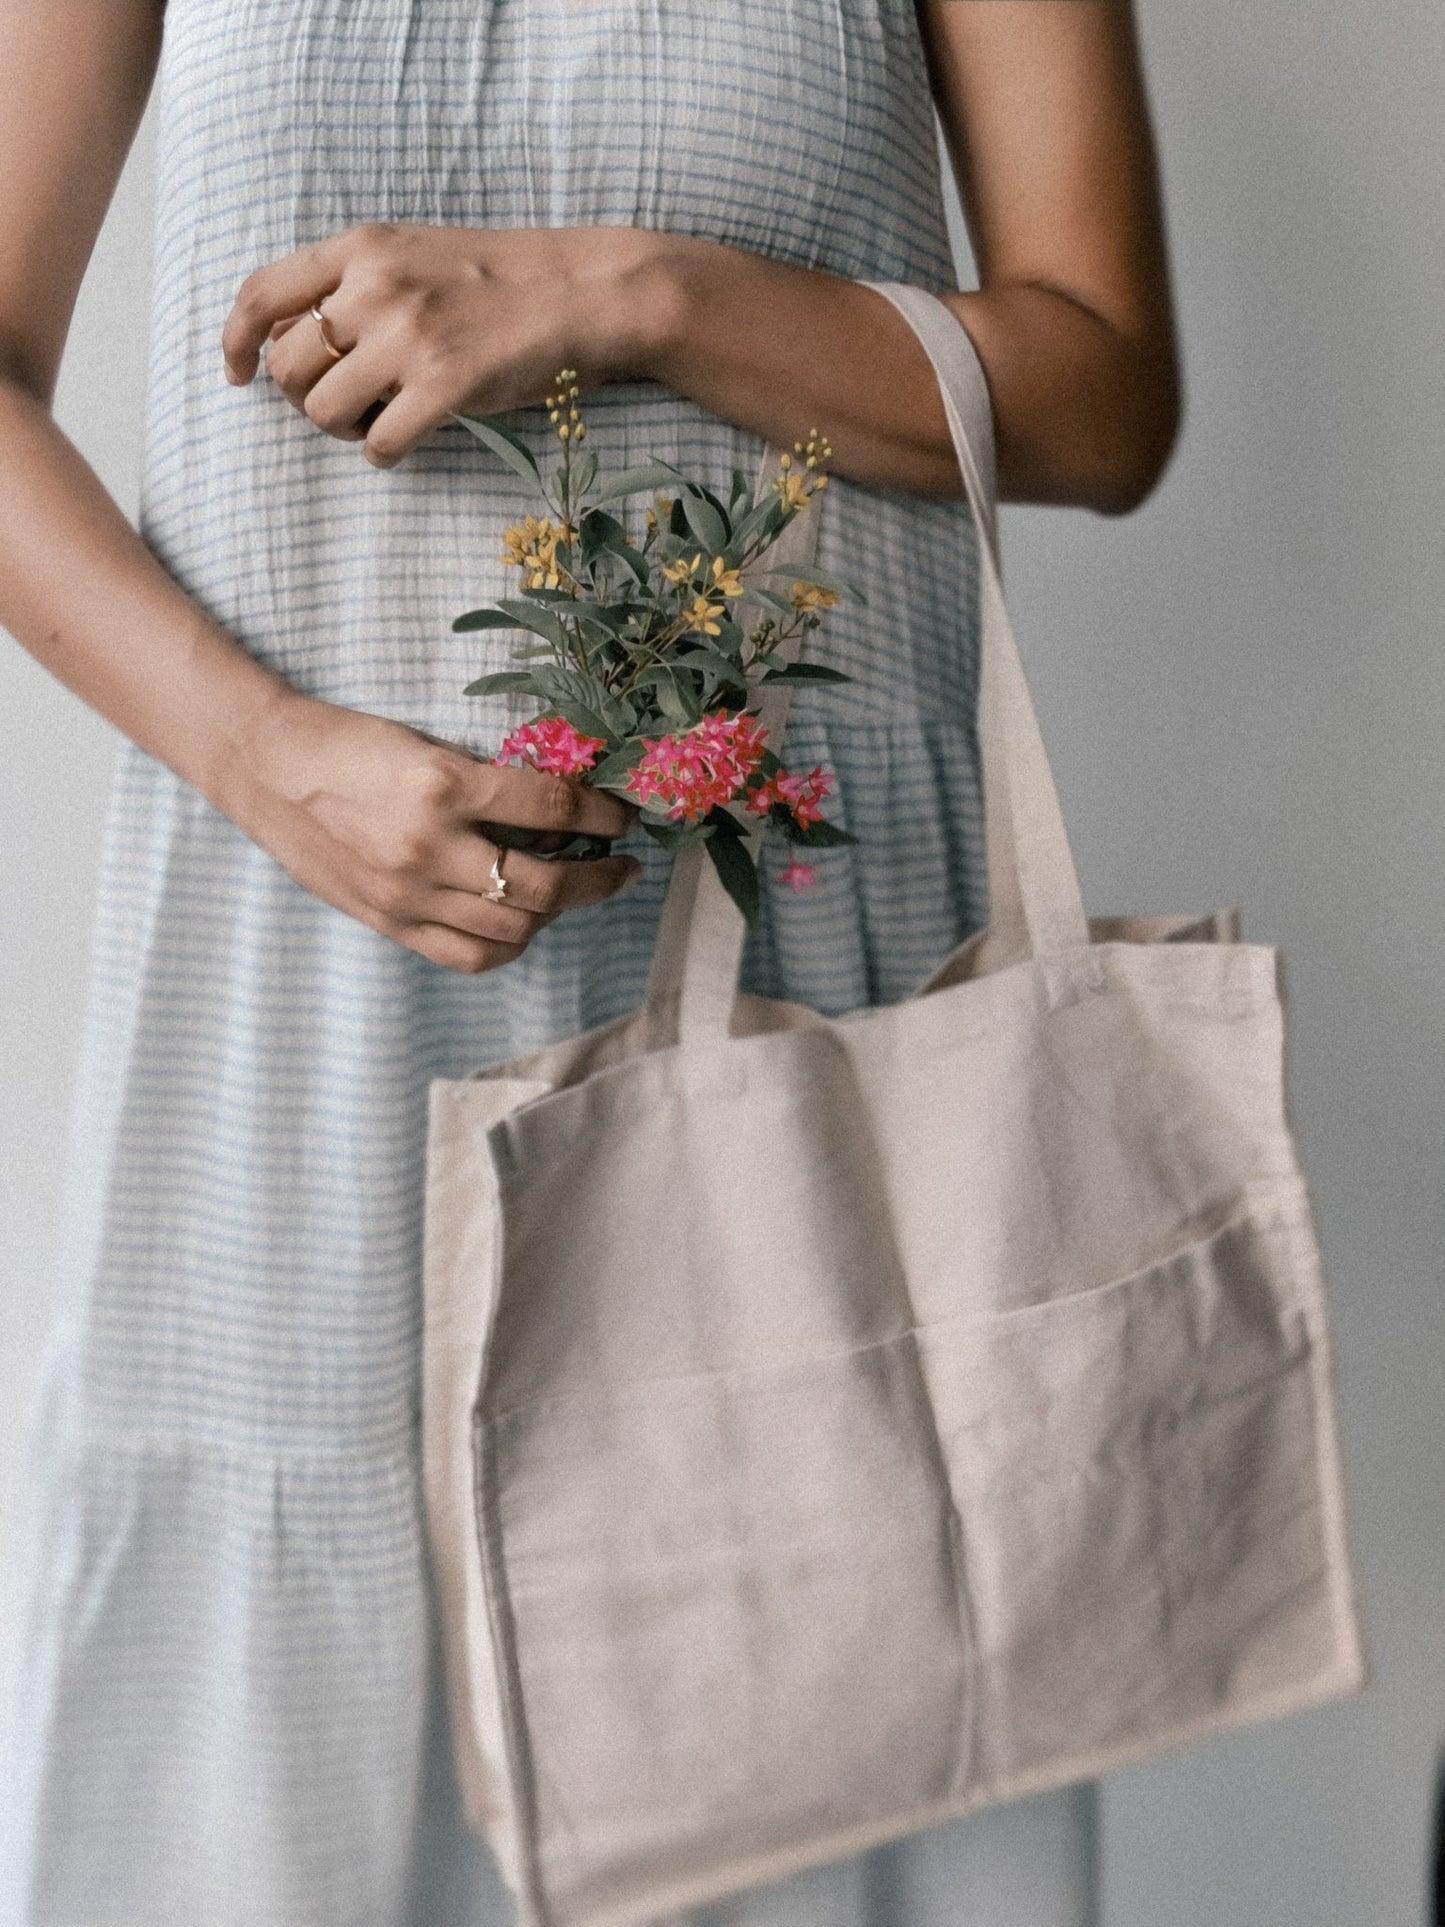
(1035, 906)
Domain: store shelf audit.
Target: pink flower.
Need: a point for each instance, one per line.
(801, 794)
(799, 876)
(701, 769)
(551, 743)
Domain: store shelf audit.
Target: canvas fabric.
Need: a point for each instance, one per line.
(835, 1424)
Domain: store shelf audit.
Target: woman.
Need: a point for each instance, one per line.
(226, 1704)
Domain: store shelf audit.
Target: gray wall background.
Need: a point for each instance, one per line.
(1243, 686)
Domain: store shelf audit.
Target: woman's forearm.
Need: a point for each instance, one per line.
(82, 592)
(1086, 413)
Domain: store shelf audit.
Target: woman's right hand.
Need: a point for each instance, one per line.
(391, 827)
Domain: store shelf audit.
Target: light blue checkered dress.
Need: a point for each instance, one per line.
(226, 1711)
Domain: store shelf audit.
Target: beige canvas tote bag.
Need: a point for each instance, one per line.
(835, 1425)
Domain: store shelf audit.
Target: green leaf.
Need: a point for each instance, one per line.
(513, 451)
(503, 682)
(484, 619)
(584, 471)
(705, 520)
(638, 565)
(805, 672)
(541, 622)
(576, 687)
(675, 836)
(633, 481)
(613, 770)
(601, 531)
(766, 599)
(582, 719)
(737, 873)
(603, 535)
(676, 703)
(717, 671)
(717, 502)
(767, 515)
(610, 617)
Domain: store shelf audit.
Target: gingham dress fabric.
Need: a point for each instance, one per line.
(224, 1705)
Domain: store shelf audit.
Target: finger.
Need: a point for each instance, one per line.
(404, 424)
(455, 950)
(545, 889)
(297, 360)
(289, 286)
(343, 392)
(537, 800)
(467, 911)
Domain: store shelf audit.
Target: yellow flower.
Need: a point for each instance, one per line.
(704, 617)
(682, 570)
(808, 596)
(520, 541)
(725, 581)
(794, 489)
(532, 547)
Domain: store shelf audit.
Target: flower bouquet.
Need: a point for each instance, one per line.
(641, 653)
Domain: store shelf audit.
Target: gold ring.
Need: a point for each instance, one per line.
(496, 895)
(326, 341)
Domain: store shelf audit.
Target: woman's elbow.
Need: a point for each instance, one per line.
(1137, 440)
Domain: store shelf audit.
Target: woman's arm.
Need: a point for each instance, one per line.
(1042, 103)
(77, 585)
(363, 812)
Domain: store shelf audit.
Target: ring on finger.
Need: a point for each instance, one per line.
(499, 882)
(324, 326)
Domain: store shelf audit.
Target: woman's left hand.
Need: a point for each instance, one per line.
(437, 320)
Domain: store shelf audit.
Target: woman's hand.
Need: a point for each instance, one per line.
(436, 320)
(392, 828)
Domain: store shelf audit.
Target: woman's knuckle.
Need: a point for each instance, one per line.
(408, 847)
(318, 410)
(391, 893)
(371, 238)
(433, 782)
(560, 802)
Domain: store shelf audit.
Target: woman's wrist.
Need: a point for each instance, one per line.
(248, 708)
(632, 311)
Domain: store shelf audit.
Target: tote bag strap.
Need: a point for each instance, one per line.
(1035, 906)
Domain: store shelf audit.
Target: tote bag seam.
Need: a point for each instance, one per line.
(516, 1737)
(1277, 1212)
